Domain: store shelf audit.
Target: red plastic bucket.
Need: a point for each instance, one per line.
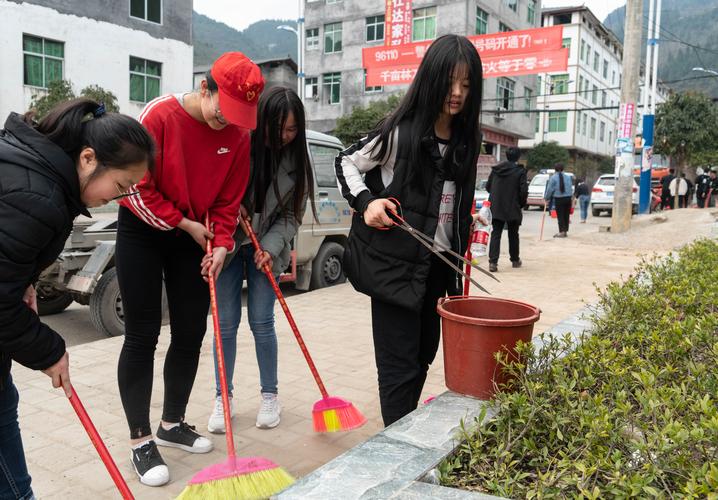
(473, 329)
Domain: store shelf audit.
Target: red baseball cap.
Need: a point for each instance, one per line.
(240, 82)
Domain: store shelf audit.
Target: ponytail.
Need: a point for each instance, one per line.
(119, 141)
(559, 170)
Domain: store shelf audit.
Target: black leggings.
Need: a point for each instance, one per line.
(563, 212)
(405, 344)
(143, 256)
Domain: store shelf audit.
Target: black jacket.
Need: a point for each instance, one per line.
(39, 198)
(508, 191)
(391, 265)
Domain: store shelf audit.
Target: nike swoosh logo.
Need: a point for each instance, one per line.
(222, 151)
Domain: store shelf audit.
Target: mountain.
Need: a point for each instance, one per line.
(687, 27)
(260, 40)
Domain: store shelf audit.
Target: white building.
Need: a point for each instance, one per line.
(137, 49)
(583, 101)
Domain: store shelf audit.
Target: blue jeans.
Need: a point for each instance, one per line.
(14, 478)
(260, 308)
(583, 202)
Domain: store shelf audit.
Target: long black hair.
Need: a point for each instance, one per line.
(559, 170)
(273, 108)
(424, 102)
(119, 141)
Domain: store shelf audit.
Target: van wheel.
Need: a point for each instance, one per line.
(327, 267)
(106, 310)
(52, 301)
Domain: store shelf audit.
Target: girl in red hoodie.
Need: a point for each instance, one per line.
(202, 168)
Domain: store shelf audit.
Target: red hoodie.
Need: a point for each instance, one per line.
(196, 169)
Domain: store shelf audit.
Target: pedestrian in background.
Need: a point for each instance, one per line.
(666, 200)
(508, 191)
(560, 190)
(583, 194)
(678, 188)
(713, 188)
(703, 182)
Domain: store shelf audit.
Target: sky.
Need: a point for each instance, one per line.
(241, 13)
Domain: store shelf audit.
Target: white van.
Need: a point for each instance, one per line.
(537, 188)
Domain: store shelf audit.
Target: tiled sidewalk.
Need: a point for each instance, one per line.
(557, 276)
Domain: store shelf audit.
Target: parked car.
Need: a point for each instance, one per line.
(480, 193)
(537, 188)
(602, 195)
(85, 271)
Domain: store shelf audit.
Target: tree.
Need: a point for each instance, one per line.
(686, 128)
(546, 155)
(352, 127)
(61, 90)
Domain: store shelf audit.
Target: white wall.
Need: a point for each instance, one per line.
(95, 53)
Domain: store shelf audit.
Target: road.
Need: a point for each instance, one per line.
(75, 326)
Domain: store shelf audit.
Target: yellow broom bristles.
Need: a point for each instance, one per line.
(251, 486)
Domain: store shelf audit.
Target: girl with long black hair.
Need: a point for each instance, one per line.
(281, 183)
(77, 156)
(423, 155)
(560, 189)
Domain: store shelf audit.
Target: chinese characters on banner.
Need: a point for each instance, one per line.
(502, 54)
(397, 22)
(626, 120)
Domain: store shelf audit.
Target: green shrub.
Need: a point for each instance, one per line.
(630, 411)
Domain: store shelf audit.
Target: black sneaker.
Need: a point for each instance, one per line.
(184, 437)
(493, 267)
(516, 263)
(149, 466)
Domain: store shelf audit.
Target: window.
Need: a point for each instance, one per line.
(482, 21)
(596, 59)
(613, 77)
(559, 84)
(368, 89)
(610, 137)
(604, 98)
(583, 49)
(588, 53)
(593, 128)
(149, 10)
(332, 87)
(566, 43)
(531, 12)
(323, 161)
(557, 121)
(329, 2)
(605, 68)
(602, 132)
(424, 24)
(505, 93)
(332, 38)
(528, 98)
(311, 88)
(513, 5)
(42, 60)
(504, 28)
(580, 86)
(562, 19)
(594, 95)
(312, 39)
(537, 123)
(375, 28)
(145, 79)
(585, 123)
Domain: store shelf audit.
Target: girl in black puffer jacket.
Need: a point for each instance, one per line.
(78, 156)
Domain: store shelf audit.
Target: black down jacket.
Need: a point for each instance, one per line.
(39, 198)
(508, 191)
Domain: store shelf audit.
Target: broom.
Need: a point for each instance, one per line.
(329, 414)
(236, 478)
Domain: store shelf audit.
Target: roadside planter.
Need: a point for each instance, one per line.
(474, 330)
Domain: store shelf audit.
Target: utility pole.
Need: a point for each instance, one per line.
(649, 106)
(623, 192)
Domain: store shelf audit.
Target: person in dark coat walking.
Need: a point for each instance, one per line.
(508, 191)
(703, 182)
(666, 198)
(77, 156)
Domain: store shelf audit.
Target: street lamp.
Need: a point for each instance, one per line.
(706, 71)
(300, 59)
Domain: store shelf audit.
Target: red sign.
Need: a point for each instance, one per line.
(397, 22)
(494, 44)
(626, 121)
(511, 65)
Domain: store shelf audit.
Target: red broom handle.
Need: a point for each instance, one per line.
(220, 353)
(100, 446)
(247, 226)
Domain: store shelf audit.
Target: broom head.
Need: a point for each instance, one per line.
(333, 414)
(237, 478)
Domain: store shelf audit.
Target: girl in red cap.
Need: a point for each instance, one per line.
(202, 167)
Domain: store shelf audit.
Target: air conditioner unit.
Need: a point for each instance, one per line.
(499, 117)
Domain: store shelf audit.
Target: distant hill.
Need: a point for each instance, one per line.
(689, 21)
(261, 40)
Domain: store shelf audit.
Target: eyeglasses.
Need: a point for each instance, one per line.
(217, 113)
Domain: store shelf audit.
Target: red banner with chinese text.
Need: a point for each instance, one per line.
(397, 22)
(495, 66)
(494, 44)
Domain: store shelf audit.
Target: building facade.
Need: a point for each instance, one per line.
(137, 49)
(276, 72)
(337, 30)
(581, 105)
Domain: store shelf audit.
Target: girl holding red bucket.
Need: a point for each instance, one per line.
(424, 156)
(282, 182)
(202, 167)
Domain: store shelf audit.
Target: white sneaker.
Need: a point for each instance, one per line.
(216, 419)
(268, 415)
